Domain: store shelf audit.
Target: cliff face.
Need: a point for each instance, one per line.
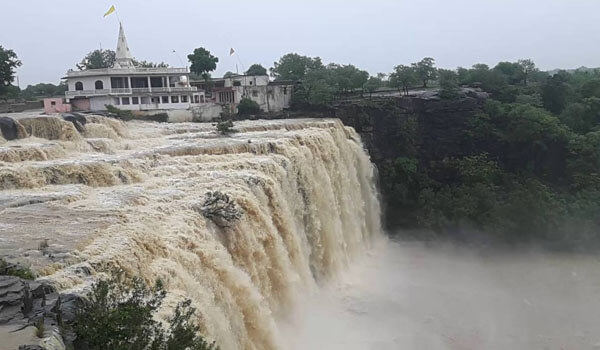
(424, 130)
(410, 127)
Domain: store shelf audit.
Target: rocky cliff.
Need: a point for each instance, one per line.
(425, 129)
(410, 127)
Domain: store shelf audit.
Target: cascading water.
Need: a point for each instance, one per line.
(127, 195)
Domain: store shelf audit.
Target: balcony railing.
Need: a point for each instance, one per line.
(130, 91)
(127, 71)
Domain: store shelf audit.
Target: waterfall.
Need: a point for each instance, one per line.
(126, 195)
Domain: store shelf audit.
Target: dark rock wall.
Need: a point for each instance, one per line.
(422, 129)
(410, 127)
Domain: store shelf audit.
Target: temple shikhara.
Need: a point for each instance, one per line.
(130, 87)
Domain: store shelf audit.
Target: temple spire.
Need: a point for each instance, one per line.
(123, 55)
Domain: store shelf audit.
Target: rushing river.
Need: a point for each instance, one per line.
(78, 199)
(415, 296)
(305, 267)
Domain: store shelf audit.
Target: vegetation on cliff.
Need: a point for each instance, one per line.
(8, 269)
(526, 166)
(120, 314)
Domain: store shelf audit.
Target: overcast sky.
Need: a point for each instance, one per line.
(50, 36)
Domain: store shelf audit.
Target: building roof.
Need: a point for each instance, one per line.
(126, 71)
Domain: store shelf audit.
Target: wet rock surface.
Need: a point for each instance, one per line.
(32, 313)
(11, 130)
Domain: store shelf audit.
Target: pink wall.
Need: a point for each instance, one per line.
(56, 105)
(80, 104)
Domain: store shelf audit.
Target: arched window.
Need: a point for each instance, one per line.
(99, 85)
(78, 85)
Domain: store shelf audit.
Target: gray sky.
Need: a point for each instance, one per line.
(50, 36)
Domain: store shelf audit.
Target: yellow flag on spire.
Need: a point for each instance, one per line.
(110, 10)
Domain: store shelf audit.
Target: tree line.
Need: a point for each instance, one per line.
(526, 167)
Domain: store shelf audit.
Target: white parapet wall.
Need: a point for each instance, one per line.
(201, 113)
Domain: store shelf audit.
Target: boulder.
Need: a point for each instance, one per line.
(11, 129)
(77, 119)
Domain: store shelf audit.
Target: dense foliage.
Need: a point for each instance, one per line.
(120, 314)
(203, 62)
(8, 269)
(44, 90)
(118, 113)
(527, 167)
(256, 69)
(320, 83)
(8, 63)
(248, 107)
(225, 127)
(97, 59)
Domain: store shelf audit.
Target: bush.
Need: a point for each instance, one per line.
(247, 107)
(220, 208)
(225, 127)
(119, 113)
(158, 117)
(448, 84)
(9, 269)
(120, 315)
(40, 328)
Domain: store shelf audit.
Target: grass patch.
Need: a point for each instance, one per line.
(122, 114)
(8, 269)
(40, 328)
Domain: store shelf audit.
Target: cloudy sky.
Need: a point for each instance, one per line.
(50, 36)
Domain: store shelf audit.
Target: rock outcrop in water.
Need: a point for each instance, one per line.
(130, 196)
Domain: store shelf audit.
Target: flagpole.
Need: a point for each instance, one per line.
(178, 57)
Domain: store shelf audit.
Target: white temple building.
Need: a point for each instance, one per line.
(129, 87)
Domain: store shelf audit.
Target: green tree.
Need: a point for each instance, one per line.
(346, 78)
(403, 77)
(316, 89)
(202, 62)
(425, 70)
(295, 67)
(373, 84)
(120, 315)
(583, 116)
(511, 71)
(225, 127)
(8, 63)
(256, 69)
(449, 88)
(584, 162)
(556, 92)
(44, 90)
(527, 68)
(229, 74)
(247, 107)
(97, 59)
(590, 88)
